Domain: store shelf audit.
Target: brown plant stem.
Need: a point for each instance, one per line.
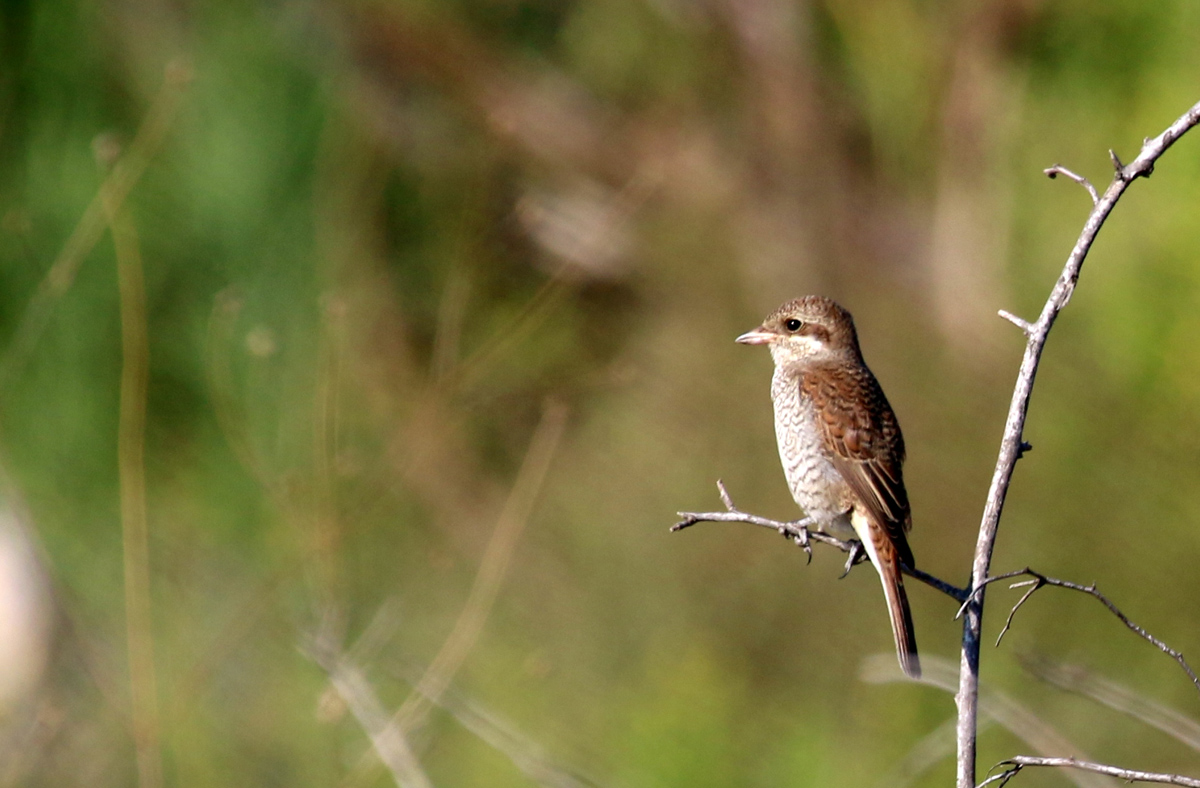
(131, 438)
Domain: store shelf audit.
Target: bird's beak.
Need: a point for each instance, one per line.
(759, 336)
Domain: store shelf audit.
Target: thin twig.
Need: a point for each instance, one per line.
(1018, 762)
(1020, 323)
(1012, 445)
(1039, 580)
(1082, 181)
(1033, 586)
(1003, 778)
(978, 590)
(950, 590)
(798, 531)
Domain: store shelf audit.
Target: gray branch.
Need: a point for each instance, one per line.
(1013, 445)
(798, 532)
(1039, 581)
(1019, 762)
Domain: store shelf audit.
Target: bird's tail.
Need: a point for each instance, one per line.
(902, 625)
(883, 555)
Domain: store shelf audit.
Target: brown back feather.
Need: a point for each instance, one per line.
(865, 442)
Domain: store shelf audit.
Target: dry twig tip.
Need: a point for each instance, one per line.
(1024, 325)
(1058, 169)
(1016, 763)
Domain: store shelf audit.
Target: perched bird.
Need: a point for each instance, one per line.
(840, 444)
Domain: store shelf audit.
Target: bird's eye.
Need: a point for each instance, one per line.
(793, 324)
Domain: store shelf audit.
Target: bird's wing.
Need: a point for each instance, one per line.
(864, 440)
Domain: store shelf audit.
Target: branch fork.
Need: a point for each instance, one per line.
(796, 530)
(1038, 580)
(1018, 762)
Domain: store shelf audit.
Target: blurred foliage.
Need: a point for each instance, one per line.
(379, 238)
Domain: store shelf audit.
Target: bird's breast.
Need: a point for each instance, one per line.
(815, 484)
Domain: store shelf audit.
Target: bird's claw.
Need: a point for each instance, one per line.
(856, 554)
(799, 535)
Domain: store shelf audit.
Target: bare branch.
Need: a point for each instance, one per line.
(980, 586)
(948, 589)
(1039, 580)
(1018, 762)
(725, 499)
(1003, 778)
(1011, 446)
(1033, 586)
(1024, 325)
(1082, 181)
(797, 531)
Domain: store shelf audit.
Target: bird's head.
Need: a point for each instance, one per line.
(806, 330)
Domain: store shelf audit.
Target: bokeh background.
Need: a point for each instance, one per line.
(439, 301)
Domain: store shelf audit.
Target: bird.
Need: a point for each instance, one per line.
(840, 445)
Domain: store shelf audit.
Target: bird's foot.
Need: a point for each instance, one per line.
(856, 554)
(798, 533)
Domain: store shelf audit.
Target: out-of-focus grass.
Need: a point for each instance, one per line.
(376, 237)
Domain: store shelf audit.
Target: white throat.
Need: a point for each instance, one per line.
(798, 349)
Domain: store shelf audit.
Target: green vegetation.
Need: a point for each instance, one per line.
(386, 246)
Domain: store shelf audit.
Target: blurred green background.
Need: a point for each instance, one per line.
(432, 286)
